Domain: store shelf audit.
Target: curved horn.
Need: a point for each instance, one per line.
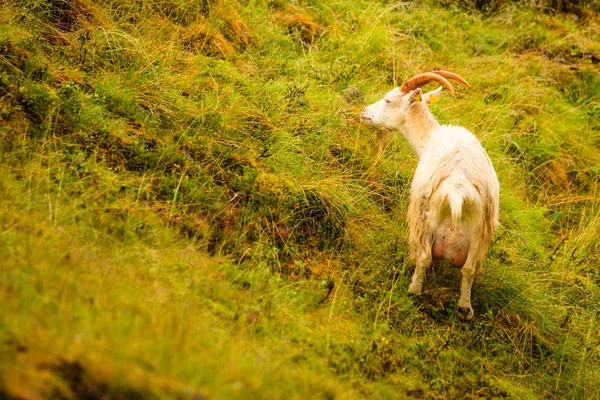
(452, 75)
(422, 79)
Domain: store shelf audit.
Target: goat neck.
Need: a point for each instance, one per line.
(417, 127)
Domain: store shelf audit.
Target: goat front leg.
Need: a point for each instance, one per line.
(423, 261)
(465, 311)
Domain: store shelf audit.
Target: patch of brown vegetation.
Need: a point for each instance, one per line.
(68, 15)
(558, 173)
(235, 29)
(202, 38)
(299, 24)
(65, 74)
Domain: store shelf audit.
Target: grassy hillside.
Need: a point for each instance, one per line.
(190, 208)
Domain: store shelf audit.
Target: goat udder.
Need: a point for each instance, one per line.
(451, 246)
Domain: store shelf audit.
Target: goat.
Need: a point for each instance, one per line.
(453, 210)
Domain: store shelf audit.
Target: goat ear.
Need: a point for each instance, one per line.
(433, 96)
(415, 96)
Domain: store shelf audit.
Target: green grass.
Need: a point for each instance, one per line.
(189, 207)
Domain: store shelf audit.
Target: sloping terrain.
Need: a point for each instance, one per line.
(190, 208)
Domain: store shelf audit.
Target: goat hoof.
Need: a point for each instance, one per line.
(414, 290)
(465, 313)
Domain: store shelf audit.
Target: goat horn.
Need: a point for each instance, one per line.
(422, 79)
(452, 75)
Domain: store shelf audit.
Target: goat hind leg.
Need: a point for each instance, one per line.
(423, 262)
(465, 311)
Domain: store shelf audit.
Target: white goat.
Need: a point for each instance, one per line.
(454, 194)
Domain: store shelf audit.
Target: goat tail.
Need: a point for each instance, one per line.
(462, 199)
(455, 199)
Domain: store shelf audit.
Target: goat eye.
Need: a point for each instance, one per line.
(387, 101)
